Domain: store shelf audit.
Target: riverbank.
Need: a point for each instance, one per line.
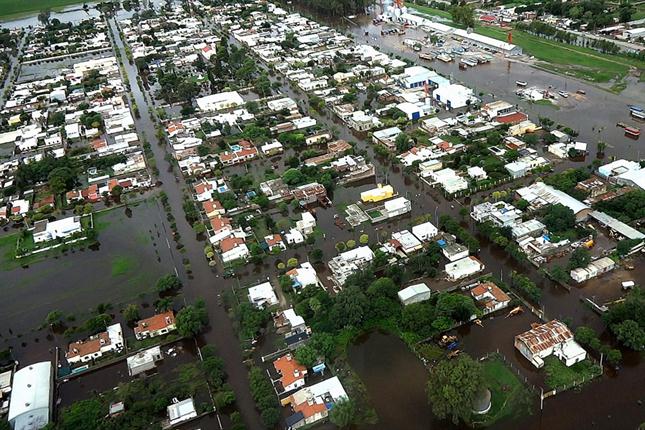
(12, 9)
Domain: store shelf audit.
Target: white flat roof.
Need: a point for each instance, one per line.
(31, 391)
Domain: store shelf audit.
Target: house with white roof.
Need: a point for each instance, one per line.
(219, 101)
(180, 411)
(304, 276)
(45, 230)
(425, 231)
(414, 294)
(349, 262)
(262, 295)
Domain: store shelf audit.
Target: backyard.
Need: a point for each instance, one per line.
(559, 376)
(122, 267)
(509, 397)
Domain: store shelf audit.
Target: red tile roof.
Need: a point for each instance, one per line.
(290, 370)
(512, 118)
(155, 322)
(230, 243)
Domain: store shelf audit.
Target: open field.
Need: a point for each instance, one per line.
(566, 59)
(432, 11)
(17, 8)
(119, 270)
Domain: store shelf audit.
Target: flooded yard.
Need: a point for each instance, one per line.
(132, 254)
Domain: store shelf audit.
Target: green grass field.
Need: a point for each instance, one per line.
(16, 8)
(432, 11)
(581, 62)
(509, 397)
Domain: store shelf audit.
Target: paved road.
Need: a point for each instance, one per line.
(204, 283)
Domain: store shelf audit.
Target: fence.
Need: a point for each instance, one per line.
(491, 355)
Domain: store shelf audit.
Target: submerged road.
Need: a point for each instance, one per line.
(203, 283)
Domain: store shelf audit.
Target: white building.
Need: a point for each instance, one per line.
(454, 96)
(31, 397)
(144, 361)
(595, 268)
(220, 101)
(349, 262)
(425, 231)
(415, 77)
(262, 295)
(463, 268)
(307, 224)
(407, 242)
(45, 230)
(618, 167)
(94, 347)
(396, 207)
(304, 276)
(552, 338)
(449, 180)
(180, 411)
(414, 294)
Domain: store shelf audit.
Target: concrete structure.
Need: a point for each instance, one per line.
(425, 231)
(414, 294)
(552, 338)
(463, 268)
(144, 361)
(220, 101)
(454, 96)
(180, 411)
(262, 295)
(45, 230)
(349, 262)
(595, 268)
(31, 397)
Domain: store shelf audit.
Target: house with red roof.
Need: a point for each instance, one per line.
(274, 240)
(292, 374)
(156, 325)
(213, 208)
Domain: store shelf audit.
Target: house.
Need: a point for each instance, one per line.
(180, 411)
(516, 169)
(497, 108)
(213, 208)
(274, 241)
(433, 125)
(312, 404)
(262, 295)
(306, 224)
(386, 137)
(303, 276)
(414, 294)
(463, 268)
(294, 237)
(292, 373)
(490, 297)
(311, 193)
(415, 111)
(233, 248)
(449, 180)
(272, 148)
(144, 361)
(220, 101)
(289, 319)
(349, 262)
(530, 227)
(415, 77)
(32, 393)
(595, 268)
(395, 207)
(477, 173)
(406, 242)
(617, 168)
(425, 231)
(219, 224)
(361, 121)
(500, 213)
(454, 251)
(551, 338)
(381, 192)
(94, 347)
(45, 230)
(156, 325)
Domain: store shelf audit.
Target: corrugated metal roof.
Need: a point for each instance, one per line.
(545, 336)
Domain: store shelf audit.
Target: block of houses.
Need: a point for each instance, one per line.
(312, 404)
(551, 338)
(156, 325)
(292, 374)
(94, 347)
(490, 297)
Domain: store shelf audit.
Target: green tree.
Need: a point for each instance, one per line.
(452, 387)
(54, 317)
(581, 257)
(316, 255)
(630, 334)
(559, 218)
(364, 239)
(168, 283)
(192, 319)
(131, 313)
(344, 413)
(306, 355)
(84, 414)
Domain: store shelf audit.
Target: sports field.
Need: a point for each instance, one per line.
(17, 8)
